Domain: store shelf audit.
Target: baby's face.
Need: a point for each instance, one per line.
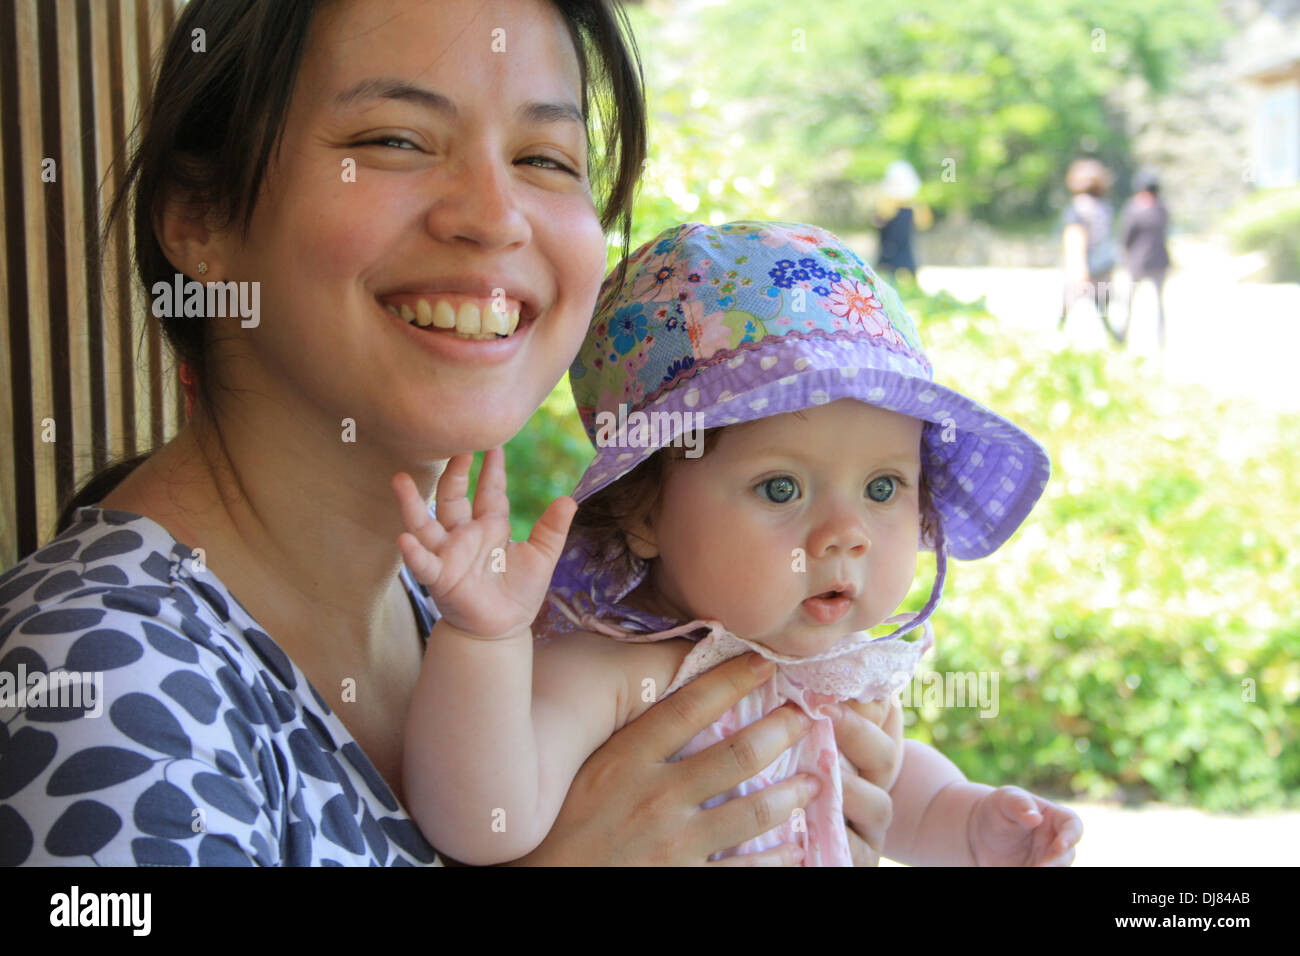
(795, 530)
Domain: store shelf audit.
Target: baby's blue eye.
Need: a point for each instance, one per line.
(779, 490)
(881, 489)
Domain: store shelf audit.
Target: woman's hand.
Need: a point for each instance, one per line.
(870, 736)
(630, 806)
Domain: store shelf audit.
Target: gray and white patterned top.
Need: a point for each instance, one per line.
(202, 745)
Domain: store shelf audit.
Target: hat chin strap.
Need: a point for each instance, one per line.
(941, 572)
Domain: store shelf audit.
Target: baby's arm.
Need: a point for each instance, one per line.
(486, 761)
(494, 738)
(942, 819)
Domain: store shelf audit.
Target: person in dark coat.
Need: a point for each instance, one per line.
(1144, 226)
(898, 214)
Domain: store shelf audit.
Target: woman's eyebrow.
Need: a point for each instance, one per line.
(538, 112)
(388, 88)
(385, 88)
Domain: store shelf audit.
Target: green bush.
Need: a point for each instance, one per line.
(1268, 221)
(1136, 620)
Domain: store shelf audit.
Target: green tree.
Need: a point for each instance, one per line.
(988, 101)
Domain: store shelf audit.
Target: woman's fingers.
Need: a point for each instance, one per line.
(672, 723)
(734, 760)
(453, 508)
(873, 710)
(872, 750)
(787, 854)
(630, 804)
(868, 810)
(862, 852)
(744, 818)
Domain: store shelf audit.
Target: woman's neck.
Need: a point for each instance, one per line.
(297, 530)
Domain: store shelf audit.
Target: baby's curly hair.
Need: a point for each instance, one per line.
(604, 519)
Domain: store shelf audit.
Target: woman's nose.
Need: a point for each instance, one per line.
(478, 204)
(841, 531)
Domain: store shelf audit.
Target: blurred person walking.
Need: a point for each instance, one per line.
(898, 215)
(1144, 225)
(1089, 250)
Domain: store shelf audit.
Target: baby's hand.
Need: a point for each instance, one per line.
(1012, 827)
(483, 583)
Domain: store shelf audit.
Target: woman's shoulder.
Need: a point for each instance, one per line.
(152, 722)
(112, 570)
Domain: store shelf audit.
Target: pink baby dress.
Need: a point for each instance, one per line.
(858, 668)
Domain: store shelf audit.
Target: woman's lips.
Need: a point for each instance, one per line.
(828, 608)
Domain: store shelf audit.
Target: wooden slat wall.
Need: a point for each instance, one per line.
(77, 356)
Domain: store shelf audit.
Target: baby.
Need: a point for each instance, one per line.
(790, 528)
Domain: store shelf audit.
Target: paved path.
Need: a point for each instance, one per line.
(1238, 339)
(1176, 836)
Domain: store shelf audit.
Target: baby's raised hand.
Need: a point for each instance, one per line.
(1012, 827)
(483, 583)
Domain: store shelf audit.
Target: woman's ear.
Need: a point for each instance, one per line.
(185, 237)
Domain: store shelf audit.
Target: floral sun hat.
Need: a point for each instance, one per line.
(717, 325)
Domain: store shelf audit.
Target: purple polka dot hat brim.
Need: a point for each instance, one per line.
(718, 325)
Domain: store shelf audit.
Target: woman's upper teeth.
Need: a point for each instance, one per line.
(487, 318)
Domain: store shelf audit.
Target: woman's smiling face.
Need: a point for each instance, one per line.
(433, 163)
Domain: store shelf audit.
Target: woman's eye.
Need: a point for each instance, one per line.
(548, 163)
(779, 490)
(389, 140)
(881, 489)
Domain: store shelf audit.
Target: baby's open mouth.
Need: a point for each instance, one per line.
(829, 606)
(464, 316)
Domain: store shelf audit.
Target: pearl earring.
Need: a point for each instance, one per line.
(203, 268)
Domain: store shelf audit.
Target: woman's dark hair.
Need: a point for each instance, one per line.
(209, 128)
(602, 524)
